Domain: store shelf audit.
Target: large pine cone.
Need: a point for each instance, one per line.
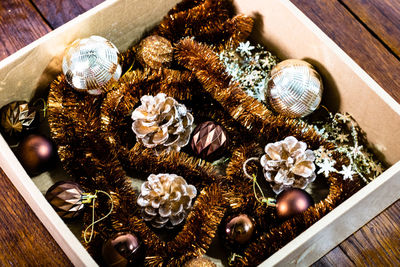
(287, 164)
(165, 198)
(162, 123)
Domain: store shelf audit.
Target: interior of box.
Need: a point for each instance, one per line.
(123, 22)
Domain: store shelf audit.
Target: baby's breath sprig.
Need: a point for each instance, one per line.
(250, 66)
(344, 132)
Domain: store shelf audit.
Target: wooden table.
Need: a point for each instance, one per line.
(368, 30)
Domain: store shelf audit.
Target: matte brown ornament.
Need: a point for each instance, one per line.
(124, 249)
(19, 117)
(292, 202)
(66, 198)
(209, 140)
(155, 52)
(36, 153)
(240, 229)
(200, 262)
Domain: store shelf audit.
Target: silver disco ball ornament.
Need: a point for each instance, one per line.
(295, 88)
(90, 63)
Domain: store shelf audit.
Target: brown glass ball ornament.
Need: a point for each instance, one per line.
(209, 140)
(36, 153)
(200, 262)
(66, 199)
(124, 249)
(240, 229)
(291, 202)
(155, 52)
(18, 117)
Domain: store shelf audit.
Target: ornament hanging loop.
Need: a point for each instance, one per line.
(91, 198)
(270, 202)
(44, 109)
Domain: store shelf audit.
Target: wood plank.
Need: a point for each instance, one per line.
(58, 12)
(337, 22)
(382, 17)
(378, 242)
(20, 24)
(336, 257)
(24, 241)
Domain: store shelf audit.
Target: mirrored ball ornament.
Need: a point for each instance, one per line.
(295, 88)
(90, 63)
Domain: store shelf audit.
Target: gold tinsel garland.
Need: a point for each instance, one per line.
(95, 143)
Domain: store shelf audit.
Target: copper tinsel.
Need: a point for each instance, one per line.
(95, 143)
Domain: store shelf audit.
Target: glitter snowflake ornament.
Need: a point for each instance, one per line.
(162, 123)
(288, 163)
(90, 63)
(166, 199)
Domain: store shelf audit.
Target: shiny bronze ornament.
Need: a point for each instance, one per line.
(155, 52)
(124, 249)
(36, 153)
(90, 63)
(240, 229)
(292, 202)
(209, 140)
(66, 198)
(295, 88)
(200, 262)
(19, 117)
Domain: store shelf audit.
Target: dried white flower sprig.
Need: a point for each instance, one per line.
(343, 131)
(288, 163)
(250, 66)
(162, 123)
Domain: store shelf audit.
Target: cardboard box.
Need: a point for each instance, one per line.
(285, 31)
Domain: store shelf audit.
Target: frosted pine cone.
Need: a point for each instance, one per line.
(162, 123)
(287, 164)
(165, 198)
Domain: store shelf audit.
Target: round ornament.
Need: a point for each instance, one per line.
(240, 229)
(209, 140)
(155, 52)
(90, 63)
(36, 153)
(66, 198)
(295, 88)
(162, 123)
(292, 202)
(166, 199)
(124, 249)
(200, 262)
(18, 117)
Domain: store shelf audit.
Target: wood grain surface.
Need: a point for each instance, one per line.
(23, 238)
(381, 17)
(58, 12)
(367, 30)
(20, 24)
